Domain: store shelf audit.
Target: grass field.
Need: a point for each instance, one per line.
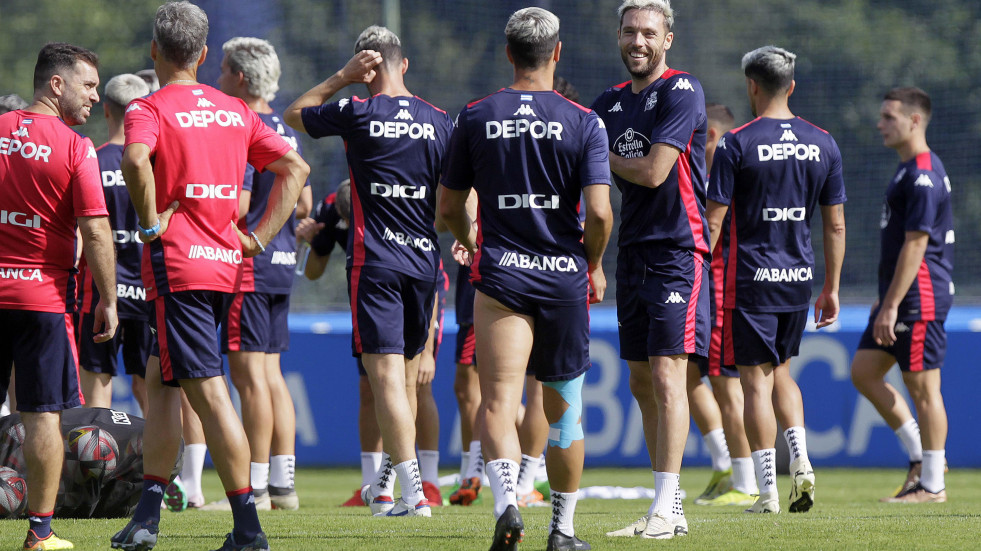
(847, 515)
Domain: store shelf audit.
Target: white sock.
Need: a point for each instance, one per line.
(384, 481)
(796, 442)
(260, 476)
(193, 468)
(677, 509)
(932, 476)
(502, 475)
(563, 510)
(464, 464)
(370, 463)
(909, 435)
(715, 440)
(764, 462)
(542, 474)
(744, 475)
(665, 488)
(429, 465)
(410, 479)
(650, 510)
(526, 478)
(476, 466)
(282, 471)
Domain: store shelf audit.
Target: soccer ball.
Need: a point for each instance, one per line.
(13, 493)
(95, 450)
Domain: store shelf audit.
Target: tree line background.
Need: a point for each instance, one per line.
(850, 52)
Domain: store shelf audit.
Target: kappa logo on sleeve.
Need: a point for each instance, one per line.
(683, 84)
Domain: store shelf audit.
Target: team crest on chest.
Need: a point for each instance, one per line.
(651, 101)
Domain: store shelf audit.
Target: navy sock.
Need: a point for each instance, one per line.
(149, 506)
(244, 515)
(40, 524)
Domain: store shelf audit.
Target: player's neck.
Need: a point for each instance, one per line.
(258, 105)
(387, 85)
(637, 85)
(773, 108)
(170, 75)
(912, 148)
(117, 132)
(534, 80)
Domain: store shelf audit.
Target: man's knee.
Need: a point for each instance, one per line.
(568, 427)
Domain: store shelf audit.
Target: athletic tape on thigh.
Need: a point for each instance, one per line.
(568, 429)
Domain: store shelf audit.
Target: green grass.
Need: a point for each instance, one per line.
(847, 515)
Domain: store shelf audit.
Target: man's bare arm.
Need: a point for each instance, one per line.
(715, 214)
(100, 255)
(360, 68)
(453, 211)
(291, 173)
(826, 307)
(596, 235)
(651, 170)
(907, 266)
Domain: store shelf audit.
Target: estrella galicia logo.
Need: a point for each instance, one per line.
(631, 144)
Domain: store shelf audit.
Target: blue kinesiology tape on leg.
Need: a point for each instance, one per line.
(567, 429)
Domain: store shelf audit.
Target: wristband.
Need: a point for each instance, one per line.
(151, 231)
(257, 242)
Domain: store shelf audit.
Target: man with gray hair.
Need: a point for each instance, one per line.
(99, 360)
(194, 163)
(527, 141)
(772, 174)
(11, 102)
(257, 330)
(395, 144)
(657, 128)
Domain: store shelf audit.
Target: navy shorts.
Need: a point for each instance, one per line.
(466, 345)
(560, 350)
(713, 366)
(662, 302)
(133, 336)
(756, 338)
(42, 346)
(919, 346)
(186, 325)
(390, 311)
(257, 322)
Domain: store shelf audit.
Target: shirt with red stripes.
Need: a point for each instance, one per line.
(773, 174)
(918, 200)
(50, 177)
(395, 148)
(200, 141)
(671, 110)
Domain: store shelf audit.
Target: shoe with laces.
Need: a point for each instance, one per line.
(509, 530)
(136, 536)
(732, 497)
(802, 487)
(284, 498)
(377, 504)
(468, 492)
(636, 528)
(260, 543)
(720, 483)
(766, 503)
(919, 494)
(659, 528)
(403, 509)
(912, 480)
(431, 491)
(50, 543)
(557, 541)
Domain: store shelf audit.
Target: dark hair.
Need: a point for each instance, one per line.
(564, 87)
(770, 67)
(56, 57)
(911, 96)
(720, 114)
(381, 40)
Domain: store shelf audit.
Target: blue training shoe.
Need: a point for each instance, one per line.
(135, 536)
(260, 543)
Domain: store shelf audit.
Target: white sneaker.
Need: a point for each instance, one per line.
(377, 504)
(634, 529)
(659, 528)
(403, 509)
(680, 525)
(766, 503)
(262, 503)
(802, 488)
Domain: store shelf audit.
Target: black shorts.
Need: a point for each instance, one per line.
(257, 322)
(919, 346)
(42, 347)
(390, 311)
(186, 325)
(133, 336)
(756, 338)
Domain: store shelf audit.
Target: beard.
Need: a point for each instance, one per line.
(73, 108)
(643, 71)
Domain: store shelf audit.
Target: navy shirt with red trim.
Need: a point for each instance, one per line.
(671, 110)
(395, 148)
(131, 296)
(773, 174)
(271, 271)
(918, 199)
(529, 155)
